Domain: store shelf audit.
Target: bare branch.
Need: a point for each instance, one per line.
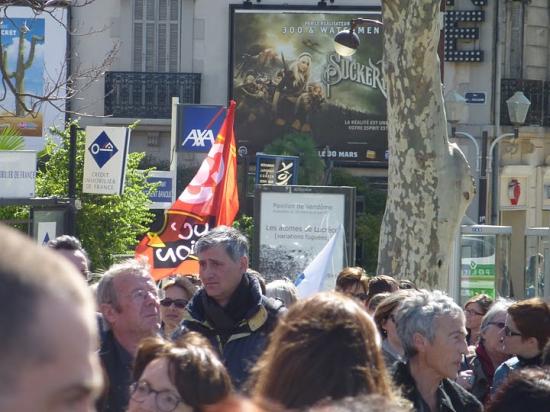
(59, 87)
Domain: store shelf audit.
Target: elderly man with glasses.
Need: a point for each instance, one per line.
(525, 332)
(129, 301)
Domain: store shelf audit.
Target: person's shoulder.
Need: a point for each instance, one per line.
(507, 365)
(462, 399)
(273, 306)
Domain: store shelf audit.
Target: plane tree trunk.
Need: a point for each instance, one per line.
(429, 180)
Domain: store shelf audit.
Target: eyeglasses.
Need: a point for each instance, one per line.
(509, 332)
(179, 303)
(138, 295)
(166, 400)
(499, 325)
(472, 312)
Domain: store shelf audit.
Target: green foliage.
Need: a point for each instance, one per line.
(301, 145)
(11, 139)
(245, 224)
(367, 223)
(106, 224)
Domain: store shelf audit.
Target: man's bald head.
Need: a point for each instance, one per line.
(38, 291)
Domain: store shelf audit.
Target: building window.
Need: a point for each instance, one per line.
(156, 35)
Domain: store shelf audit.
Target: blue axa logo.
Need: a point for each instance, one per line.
(102, 149)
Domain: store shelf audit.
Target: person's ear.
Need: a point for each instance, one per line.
(533, 342)
(243, 262)
(420, 342)
(108, 312)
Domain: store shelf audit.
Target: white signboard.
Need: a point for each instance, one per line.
(295, 227)
(17, 173)
(105, 160)
(46, 232)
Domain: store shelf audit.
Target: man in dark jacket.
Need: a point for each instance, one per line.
(129, 302)
(432, 330)
(230, 309)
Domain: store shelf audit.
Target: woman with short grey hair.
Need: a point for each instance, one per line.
(480, 367)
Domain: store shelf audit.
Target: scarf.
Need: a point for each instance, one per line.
(226, 319)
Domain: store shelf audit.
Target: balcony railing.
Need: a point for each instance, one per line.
(537, 91)
(148, 95)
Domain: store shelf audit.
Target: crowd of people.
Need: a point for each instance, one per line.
(223, 340)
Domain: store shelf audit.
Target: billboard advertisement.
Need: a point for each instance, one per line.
(276, 170)
(294, 223)
(287, 79)
(34, 46)
(198, 126)
(23, 45)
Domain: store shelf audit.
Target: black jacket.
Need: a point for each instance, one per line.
(242, 343)
(451, 396)
(117, 367)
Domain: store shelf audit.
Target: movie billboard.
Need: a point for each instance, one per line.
(287, 78)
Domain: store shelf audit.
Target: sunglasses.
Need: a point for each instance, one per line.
(509, 332)
(179, 303)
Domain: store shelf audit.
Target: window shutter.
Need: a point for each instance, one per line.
(156, 35)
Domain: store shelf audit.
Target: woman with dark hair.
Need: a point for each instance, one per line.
(178, 290)
(525, 333)
(475, 308)
(182, 377)
(527, 390)
(353, 282)
(325, 347)
(384, 317)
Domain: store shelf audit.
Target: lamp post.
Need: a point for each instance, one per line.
(518, 106)
(455, 106)
(346, 41)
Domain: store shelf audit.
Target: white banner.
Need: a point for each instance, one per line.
(105, 160)
(17, 173)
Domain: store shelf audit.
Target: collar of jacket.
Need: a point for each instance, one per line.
(254, 323)
(255, 317)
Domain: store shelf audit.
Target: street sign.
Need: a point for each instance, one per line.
(105, 155)
(276, 170)
(165, 194)
(475, 97)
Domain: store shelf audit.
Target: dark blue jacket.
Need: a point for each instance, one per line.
(240, 347)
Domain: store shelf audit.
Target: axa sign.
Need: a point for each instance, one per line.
(198, 126)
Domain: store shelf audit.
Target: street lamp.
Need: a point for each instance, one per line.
(518, 106)
(346, 41)
(455, 106)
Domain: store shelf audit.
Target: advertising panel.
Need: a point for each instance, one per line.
(17, 173)
(35, 50)
(23, 45)
(276, 170)
(294, 223)
(198, 126)
(287, 79)
(477, 266)
(105, 160)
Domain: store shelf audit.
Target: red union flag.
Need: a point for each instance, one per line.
(211, 199)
